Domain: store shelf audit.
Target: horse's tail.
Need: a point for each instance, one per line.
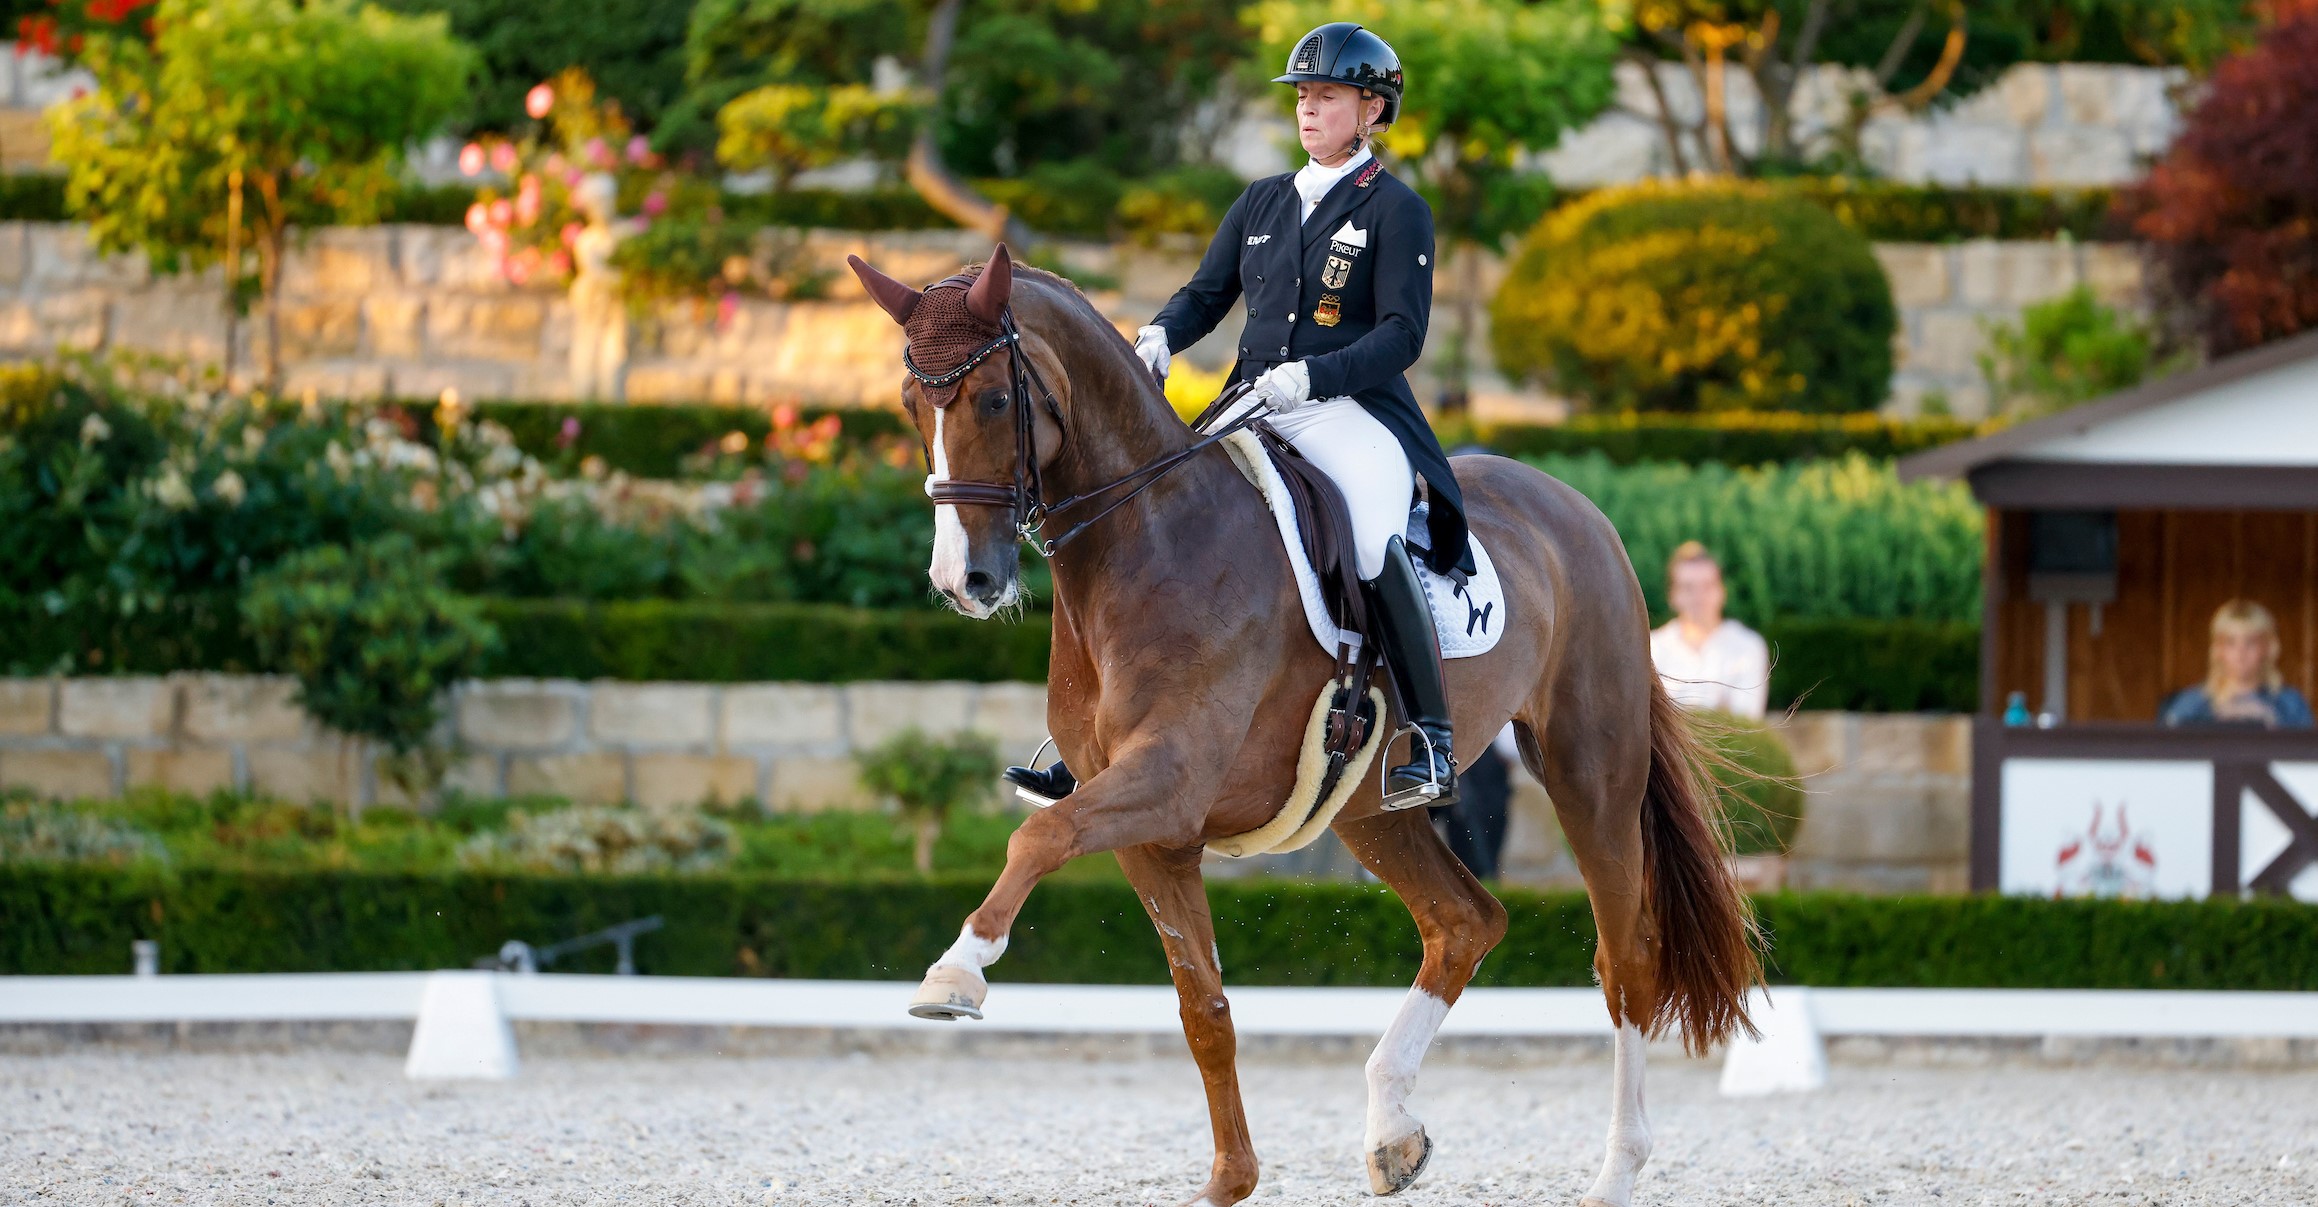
(1707, 939)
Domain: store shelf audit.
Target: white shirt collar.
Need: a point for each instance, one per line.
(1314, 181)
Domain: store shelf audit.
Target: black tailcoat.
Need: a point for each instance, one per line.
(1348, 292)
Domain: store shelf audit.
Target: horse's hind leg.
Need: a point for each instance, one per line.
(1459, 922)
(1597, 787)
(1169, 884)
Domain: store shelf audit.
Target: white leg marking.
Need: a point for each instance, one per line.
(1629, 1127)
(1392, 1068)
(972, 952)
(949, 565)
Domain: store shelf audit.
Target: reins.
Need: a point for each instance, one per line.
(1025, 496)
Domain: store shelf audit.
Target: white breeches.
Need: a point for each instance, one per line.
(1364, 460)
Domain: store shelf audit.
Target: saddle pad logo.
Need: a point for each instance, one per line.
(1326, 313)
(1337, 271)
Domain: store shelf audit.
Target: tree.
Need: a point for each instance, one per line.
(244, 118)
(792, 128)
(928, 779)
(2231, 213)
(1488, 81)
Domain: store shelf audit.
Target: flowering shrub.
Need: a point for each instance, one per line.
(530, 227)
(1698, 298)
(596, 839)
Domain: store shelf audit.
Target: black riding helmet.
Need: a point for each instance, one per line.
(1342, 52)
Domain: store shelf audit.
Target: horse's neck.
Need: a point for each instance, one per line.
(1121, 425)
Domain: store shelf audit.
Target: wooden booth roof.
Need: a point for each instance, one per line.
(2238, 434)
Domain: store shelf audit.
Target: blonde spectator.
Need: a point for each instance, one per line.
(1707, 660)
(2242, 684)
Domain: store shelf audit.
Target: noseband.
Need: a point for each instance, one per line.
(1025, 496)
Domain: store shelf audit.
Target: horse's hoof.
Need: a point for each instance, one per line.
(1396, 1166)
(950, 993)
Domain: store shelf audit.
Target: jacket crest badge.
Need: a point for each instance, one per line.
(1337, 271)
(1328, 312)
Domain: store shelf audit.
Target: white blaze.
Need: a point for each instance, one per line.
(1392, 1068)
(949, 565)
(1629, 1127)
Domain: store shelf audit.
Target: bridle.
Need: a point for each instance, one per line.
(1025, 496)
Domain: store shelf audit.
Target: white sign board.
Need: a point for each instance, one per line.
(2106, 828)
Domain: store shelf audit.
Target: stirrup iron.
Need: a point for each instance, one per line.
(1422, 794)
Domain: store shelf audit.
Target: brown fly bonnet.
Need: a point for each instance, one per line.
(951, 326)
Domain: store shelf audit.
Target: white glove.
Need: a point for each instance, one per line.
(1283, 388)
(1151, 345)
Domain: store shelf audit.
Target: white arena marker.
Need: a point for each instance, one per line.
(462, 1031)
(1789, 1058)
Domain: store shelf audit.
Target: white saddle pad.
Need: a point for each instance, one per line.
(1469, 617)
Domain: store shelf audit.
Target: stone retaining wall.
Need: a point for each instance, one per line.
(1888, 808)
(409, 311)
(658, 744)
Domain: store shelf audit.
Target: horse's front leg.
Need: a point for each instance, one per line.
(1168, 881)
(1140, 798)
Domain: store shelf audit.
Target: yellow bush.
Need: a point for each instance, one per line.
(1698, 297)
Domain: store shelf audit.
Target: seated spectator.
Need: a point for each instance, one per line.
(2242, 685)
(1707, 660)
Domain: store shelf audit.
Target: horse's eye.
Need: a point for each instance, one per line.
(994, 401)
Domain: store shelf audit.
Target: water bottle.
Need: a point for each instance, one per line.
(2016, 710)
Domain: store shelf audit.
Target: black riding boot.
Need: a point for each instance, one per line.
(1046, 786)
(1405, 633)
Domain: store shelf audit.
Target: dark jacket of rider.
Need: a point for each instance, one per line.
(1349, 292)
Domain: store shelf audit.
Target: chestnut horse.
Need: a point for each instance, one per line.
(1183, 674)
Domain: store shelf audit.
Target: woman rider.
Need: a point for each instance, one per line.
(1335, 260)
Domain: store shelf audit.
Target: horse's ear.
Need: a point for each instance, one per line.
(986, 300)
(897, 299)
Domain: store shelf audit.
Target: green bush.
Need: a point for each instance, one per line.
(1921, 213)
(1829, 539)
(371, 633)
(1730, 437)
(596, 839)
(2067, 350)
(1698, 298)
(1754, 781)
(80, 920)
(930, 780)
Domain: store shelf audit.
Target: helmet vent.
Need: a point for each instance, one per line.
(1307, 56)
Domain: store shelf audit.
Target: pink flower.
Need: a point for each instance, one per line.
(502, 213)
(597, 153)
(494, 242)
(554, 165)
(471, 159)
(527, 201)
(503, 156)
(518, 272)
(785, 416)
(655, 205)
(639, 149)
(539, 100)
(570, 433)
(571, 233)
(572, 177)
(559, 264)
(726, 307)
(478, 218)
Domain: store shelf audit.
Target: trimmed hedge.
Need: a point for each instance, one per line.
(1894, 213)
(746, 643)
(77, 920)
(1875, 665)
(651, 441)
(1728, 437)
(1862, 665)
